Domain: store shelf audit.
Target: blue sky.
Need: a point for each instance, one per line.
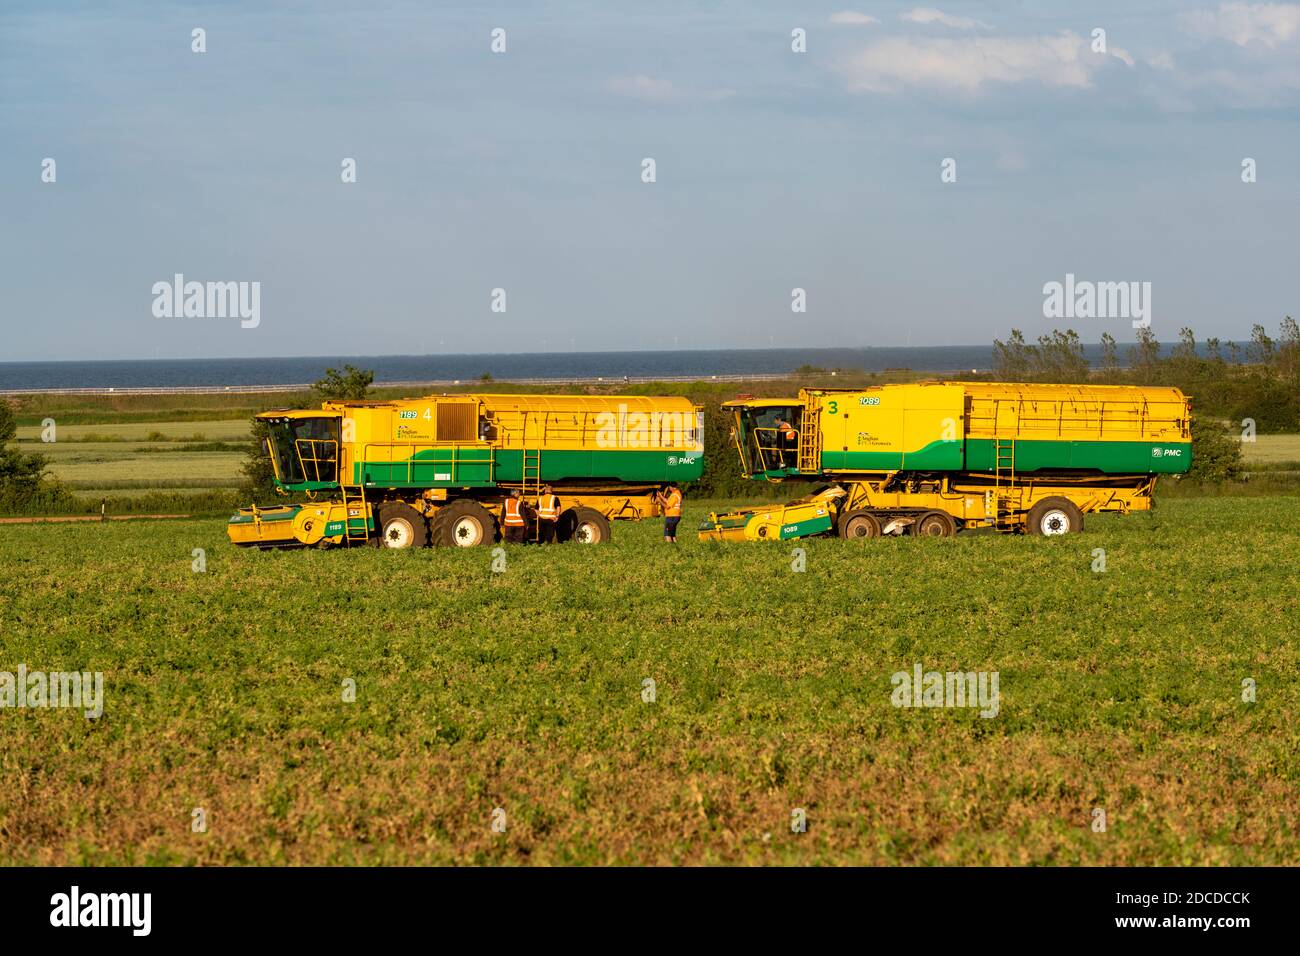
(522, 171)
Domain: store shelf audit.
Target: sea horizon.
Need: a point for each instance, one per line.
(500, 366)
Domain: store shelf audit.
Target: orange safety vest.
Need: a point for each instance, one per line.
(673, 506)
(790, 433)
(548, 507)
(514, 513)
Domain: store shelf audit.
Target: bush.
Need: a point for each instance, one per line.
(351, 384)
(44, 498)
(23, 485)
(1216, 452)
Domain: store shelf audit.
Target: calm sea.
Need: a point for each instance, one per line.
(437, 368)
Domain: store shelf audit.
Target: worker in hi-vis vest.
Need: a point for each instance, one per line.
(515, 520)
(671, 503)
(548, 514)
(787, 439)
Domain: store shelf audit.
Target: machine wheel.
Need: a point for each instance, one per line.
(857, 525)
(401, 526)
(584, 525)
(463, 524)
(1053, 516)
(935, 524)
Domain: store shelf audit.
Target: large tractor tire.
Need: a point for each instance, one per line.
(463, 524)
(858, 526)
(401, 526)
(935, 524)
(584, 525)
(1053, 516)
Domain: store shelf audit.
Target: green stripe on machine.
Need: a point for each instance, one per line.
(799, 529)
(333, 528)
(285, 513)
(432, 468)
(1109, 457)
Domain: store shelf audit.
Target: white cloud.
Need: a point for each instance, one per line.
(931, 15)
(969, 64)
(1269, 24)
(852, 18)
(1122, 55)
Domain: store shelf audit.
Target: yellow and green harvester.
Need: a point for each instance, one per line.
(935, 458)
(437, 470)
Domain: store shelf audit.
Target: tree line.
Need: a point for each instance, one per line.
(1258, 381)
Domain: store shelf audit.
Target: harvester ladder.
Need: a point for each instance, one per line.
(1004, 460)
(532, 481)
(1004, 476)
(353, 536)
(810, 442)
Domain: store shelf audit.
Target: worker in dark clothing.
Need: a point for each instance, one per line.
(515, 518)
(548, 515)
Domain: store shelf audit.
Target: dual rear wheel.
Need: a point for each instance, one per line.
(463, 524)
(467, 524)
(584, 526)
(401, 526)
(1053, 516)
(1049, 518)
(935, 524)
(860, 525)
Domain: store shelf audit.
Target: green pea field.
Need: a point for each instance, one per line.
(643, 703)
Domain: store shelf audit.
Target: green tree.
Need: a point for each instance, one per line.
(1144, 357)
(1260, 351)
(1013, 359)
(22, 476)
(1059, 358)
(1109, 353)
(18, 470)
(1288, 351)
(351, 384)
(1216, 452)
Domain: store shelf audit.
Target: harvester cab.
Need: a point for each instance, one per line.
(304, 448)
(766, 432)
